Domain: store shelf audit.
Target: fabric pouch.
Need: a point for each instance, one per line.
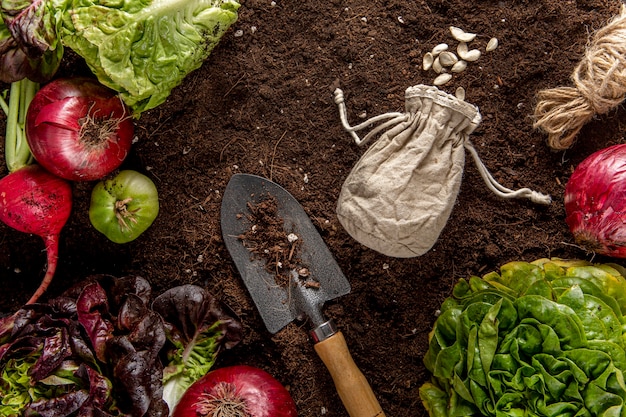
(399, 195)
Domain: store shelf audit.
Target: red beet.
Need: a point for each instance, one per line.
(34, 201)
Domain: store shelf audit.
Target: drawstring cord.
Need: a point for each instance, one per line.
(396, 118)
(500, 190)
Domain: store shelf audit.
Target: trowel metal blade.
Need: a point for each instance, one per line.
(279, 305)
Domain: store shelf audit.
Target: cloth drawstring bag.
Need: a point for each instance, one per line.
(399, 195)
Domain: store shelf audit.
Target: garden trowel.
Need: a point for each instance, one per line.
(279, 304)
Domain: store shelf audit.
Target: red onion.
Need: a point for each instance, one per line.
(236, 391)
(78, 129)
(595, 202)
(34, 201)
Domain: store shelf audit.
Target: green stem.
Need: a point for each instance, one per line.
(4, 105)
(16, 151)
(11, 131)
(29, 89)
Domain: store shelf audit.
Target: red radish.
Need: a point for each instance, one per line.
(595, 202)
(78, 129)
(236, 391)
(34, 201)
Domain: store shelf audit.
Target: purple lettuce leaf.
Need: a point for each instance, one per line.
(99, 349)
(198, 327)
(29, 42)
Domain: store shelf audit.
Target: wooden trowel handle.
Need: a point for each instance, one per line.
(353, 389)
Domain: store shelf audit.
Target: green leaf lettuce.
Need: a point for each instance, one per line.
(535, 339)
(143, 48)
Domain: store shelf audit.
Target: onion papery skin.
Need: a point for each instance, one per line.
(261, 393)
(59, 129)
(595, 202)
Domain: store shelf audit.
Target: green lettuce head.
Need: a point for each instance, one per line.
(537, 339)
(140, 48)
(144, 48)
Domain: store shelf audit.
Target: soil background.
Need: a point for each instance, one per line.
(263, 104)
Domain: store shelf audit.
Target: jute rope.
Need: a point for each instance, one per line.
(599, 86)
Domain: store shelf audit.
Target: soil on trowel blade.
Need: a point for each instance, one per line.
(267, 239)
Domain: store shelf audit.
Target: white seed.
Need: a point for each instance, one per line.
(442, 79)
(461, 49)
(448, 59)
(472, 55)
(465, 54)
(459, 66)
(427, 61)
(439, 49)
(437, 67)
(460, 35)
(491, 45)
(460, 93)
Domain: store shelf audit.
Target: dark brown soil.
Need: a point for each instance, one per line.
(263, 104)
(268, 239)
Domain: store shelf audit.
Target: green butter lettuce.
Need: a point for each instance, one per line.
(143, 48)
(545, 338)
(139, 48)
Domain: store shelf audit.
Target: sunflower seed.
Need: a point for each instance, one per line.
(492, 44)
(459, 66)
(442, 79)
(439, 49)
(447, 59)
(427, 61)
(460, 35)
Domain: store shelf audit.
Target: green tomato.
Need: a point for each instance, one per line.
(123, 207)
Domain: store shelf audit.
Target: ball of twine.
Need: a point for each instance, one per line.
(599, 86)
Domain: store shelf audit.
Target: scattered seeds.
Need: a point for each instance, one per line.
(448, 59)
(460, 35)
(492, 44)
(427, 61)
(439, 49)
(460, 93)
(459, 66)
(445, 62)
(442, 79)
